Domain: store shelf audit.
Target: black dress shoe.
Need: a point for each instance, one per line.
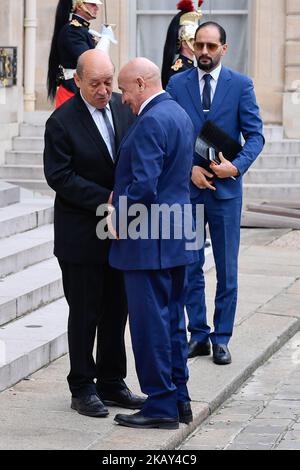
(185, 412)
(221, 354)
(90, 405)
(123, 398)
(137, 420)
(199, 349)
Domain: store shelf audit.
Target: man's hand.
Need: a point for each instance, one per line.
(225, 169)
(110, 199)
(199, 178)
(110, 226)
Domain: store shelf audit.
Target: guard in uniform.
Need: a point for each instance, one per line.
(71, 38)
(179, 50)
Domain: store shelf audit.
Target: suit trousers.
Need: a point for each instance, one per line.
(223, 217)
(158, 332)
(97, 303)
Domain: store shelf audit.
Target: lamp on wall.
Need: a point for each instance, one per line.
(8, 66)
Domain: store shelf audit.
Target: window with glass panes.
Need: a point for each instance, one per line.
(150, 20)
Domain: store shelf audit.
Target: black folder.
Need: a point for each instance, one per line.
(211, 141)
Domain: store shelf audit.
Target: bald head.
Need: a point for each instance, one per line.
(94, 77)
(138, 81)
(93, 59)
(142, 67)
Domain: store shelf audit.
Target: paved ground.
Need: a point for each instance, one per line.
(36, 413)
(263, 415)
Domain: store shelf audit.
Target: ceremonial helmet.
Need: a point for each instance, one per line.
(182, 28)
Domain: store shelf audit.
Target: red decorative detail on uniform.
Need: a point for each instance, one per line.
(62, 96)
(200, 3)
(185, 5)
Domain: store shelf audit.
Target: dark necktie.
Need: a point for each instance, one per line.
(206, 98)
(110, 132)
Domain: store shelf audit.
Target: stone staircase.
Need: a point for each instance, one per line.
(33, 312)
(275, 176)
(33, 315)
(24, 163)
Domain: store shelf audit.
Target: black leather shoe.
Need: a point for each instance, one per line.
(90, 405)
(221, 354)
(123, 398)
(137, 420)
(199, 349)
(185, 412)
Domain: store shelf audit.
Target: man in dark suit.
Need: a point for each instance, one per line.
(216, 93)
(80, 151)
(154, 171)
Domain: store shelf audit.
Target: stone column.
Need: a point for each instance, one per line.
(267, 50)
(291, 101)
(30, 24)
(11, 98)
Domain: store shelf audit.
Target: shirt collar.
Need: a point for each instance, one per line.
(91, 108)
(149, 100)
(215, 73)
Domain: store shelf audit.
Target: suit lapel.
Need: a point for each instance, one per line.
(114, 106)
(194, 91)
(155, 101)
(90, 126)
(223, 86)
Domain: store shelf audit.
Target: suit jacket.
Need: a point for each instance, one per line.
(79, 168)
(154, 168)
(234, 109)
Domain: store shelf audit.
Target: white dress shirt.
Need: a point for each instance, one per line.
(149, 101)
(100, 123)
(215, 74)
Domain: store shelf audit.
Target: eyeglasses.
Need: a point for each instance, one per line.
(210, 46)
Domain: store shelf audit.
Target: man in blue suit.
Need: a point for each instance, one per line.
(154, 168)
(225, 97)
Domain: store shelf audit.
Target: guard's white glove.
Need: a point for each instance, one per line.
(107, 36)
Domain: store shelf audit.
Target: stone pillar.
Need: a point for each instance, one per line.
(267, 55)
(11, 98)
(291, 101)
(30, 24)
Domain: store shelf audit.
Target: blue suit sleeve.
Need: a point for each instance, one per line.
(147, 162)
(171, 89)
(148, 150)
(251, 127)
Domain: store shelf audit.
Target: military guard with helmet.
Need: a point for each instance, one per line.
(178, 51)
(72, 36)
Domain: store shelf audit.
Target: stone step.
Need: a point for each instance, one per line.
(37, 118)
(37, 186)
(23, 157)
(272, 192)
(272, 176)
(31, 130)
(277, 161)
(9, 194)
(259, 220)
(28, 143)
(284, 147)
(29, 289)
(273, 133)
(24, 216)
(32, 342)
(23, 172)
(25, 249)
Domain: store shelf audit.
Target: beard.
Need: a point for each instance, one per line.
(205, 67)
